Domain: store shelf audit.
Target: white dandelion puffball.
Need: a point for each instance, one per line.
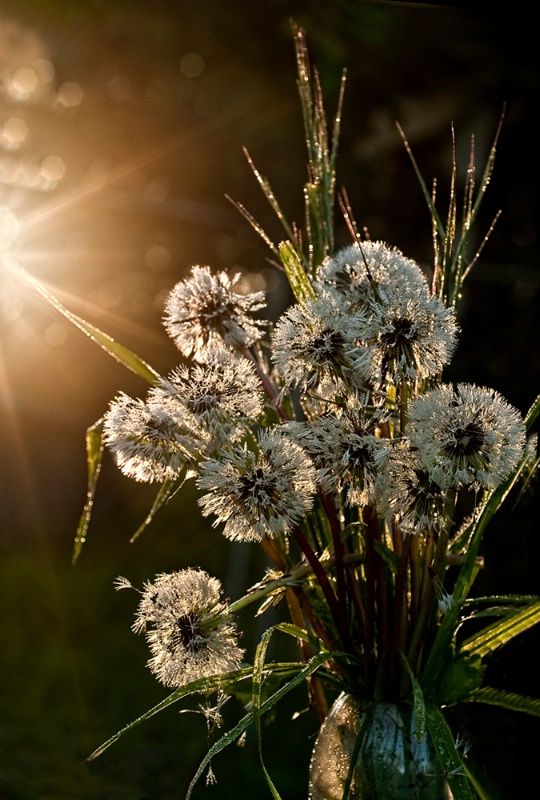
(205, 309)
(362, 270)
(187, 627)
(257, 494)
(149, 441)
(315, 343)
(466, 434)
(219, 398)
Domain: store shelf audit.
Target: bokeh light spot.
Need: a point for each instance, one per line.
(157, 258)
(52, 169)
(24, 82)
(70, 94)
(192, 65)
(14, 132)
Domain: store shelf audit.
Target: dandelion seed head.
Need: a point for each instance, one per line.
(205, 309)
(149, 440)
(314, 344)
(346, 453)
(219, 398)
(359, 272)
(407, 490)
(472, 435)
(258, 494)
(412, 334)
(188, 629)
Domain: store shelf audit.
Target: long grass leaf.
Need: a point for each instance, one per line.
(445, 635)
(247, 720)
(448, 754)
(419, 706)
(532, 414)
(166, 490)
(509, 700)
(94, 454)
(122, 354)
(201, 685)
(431, 206)
(502, 631)
(258, 668)
(296, 274)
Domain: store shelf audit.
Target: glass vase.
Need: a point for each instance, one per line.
(390, 764)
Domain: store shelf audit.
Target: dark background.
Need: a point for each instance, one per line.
(144, 108)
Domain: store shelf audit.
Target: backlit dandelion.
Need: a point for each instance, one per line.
(205, 309)
(412, 334)
(189, 631)
(221, 396)
(407, 491)
(347, 454)
(314, 343)
(149, 441)
(471, 435)
(360, 272)
(258, 493)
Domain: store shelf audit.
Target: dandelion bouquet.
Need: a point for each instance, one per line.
(331, 439)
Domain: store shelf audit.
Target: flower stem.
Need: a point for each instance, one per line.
(324, 582)
(335, 527)
(399, 619)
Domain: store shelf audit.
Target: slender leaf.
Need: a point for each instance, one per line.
(482, 793)
(166, 490)
(296, 274)
(212, 683)
(419, 707)
(532, 414)
(94, 454)
(442, 645)
(448, 754)
(258, 668)
(120, 353)
(508, 700)
(461, 678)
(427, 196)
(246, 721)
(502, 631)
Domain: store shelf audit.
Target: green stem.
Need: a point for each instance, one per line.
(289, 579)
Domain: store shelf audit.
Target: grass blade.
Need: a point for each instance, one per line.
(94, 454)
(501, 632)
(120, 353)
(508, 700)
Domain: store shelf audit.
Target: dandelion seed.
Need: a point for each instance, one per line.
(444, 600)
(462, 744)
(204, 309)
(188, 629)
(219, 397)
(211, 779)
(407, 490)
(470, 435)
(149, 441)
(314, 343)
(261, 493)
(358, 274)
